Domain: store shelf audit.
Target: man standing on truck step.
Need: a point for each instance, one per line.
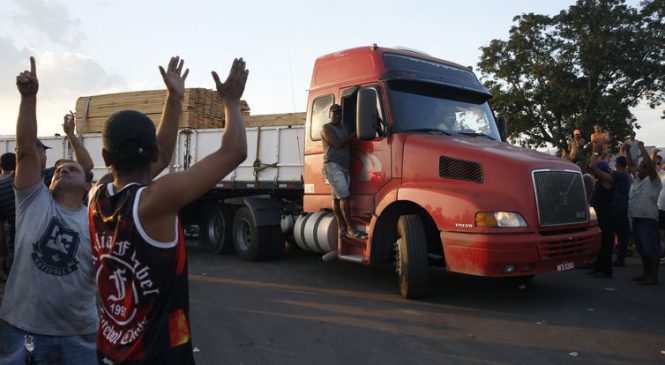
(49, 300)
(336, 159)
(138, 244)
(643, 210)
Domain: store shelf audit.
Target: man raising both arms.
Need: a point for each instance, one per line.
(138, 244)
(49, 301)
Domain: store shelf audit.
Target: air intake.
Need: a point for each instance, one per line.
(451, 168)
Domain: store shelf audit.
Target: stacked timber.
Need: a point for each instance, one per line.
(275, 119)
(202, 108)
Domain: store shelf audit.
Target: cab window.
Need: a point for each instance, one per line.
(320, 108)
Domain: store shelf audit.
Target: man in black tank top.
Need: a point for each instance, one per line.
(138, 245)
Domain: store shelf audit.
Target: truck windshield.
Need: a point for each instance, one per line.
(421, 106)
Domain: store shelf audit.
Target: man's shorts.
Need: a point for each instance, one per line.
(646, 236)
(339, 179)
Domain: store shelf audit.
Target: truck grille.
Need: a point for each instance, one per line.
(566, 248)
(452, 168)
(560, 197)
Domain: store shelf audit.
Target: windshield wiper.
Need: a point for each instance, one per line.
(477, 134)
(428, 130)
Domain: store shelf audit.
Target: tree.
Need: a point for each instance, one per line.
(589, 63)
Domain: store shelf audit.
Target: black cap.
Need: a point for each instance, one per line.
(129, 133)
(41, 145)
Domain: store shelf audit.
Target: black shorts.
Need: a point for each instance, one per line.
(661, 219)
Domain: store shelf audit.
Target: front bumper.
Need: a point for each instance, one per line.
(532, 253)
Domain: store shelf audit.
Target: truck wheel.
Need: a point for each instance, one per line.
(215, 229)
(411, 260)
(254, 243)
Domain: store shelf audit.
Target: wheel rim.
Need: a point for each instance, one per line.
(215, 228)
(243, 235)
(398, 256)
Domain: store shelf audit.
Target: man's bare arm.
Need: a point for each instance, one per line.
(80, 152)
(603, 177)
(168, 194)
(28, 163)
(330, 136)
(648, 162)
(167, 131)
(629, 159)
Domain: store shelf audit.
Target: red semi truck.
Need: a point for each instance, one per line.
(432, 181)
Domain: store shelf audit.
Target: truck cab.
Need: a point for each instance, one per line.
(432, 182)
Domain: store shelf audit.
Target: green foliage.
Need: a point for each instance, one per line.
(589, 63)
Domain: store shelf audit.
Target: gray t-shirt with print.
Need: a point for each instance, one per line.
(51, 287)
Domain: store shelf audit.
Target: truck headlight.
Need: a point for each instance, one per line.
(500, 219)
(592, 214)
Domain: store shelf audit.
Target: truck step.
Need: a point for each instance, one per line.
(354, 241)
(351, 258)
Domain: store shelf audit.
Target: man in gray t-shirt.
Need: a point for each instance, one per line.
(49, 300)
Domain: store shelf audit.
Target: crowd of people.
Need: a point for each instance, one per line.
(629, 201)
(97, 273)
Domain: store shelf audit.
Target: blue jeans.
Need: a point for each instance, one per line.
(60, 350)
(646, 237)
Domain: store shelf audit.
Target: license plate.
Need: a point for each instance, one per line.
(565, 266)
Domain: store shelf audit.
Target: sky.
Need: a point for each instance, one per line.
(91, 47)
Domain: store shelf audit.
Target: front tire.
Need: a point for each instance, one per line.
(411, 259)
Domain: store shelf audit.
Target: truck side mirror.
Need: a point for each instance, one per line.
(501, 124)
(366, 114)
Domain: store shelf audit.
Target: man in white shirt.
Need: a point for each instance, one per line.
(643, 210)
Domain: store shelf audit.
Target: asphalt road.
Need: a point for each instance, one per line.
(299, 310)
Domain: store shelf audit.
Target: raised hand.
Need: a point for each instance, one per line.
(234, 85)
(69, 123)
(173, 76)
(27, 82)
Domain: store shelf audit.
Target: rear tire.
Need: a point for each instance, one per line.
(215, 229)
(411, 259)
(254, 243)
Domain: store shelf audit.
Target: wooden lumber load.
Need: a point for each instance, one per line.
(275, 119)
(202, 108)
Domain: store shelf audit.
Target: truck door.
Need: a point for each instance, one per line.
(370, 159)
